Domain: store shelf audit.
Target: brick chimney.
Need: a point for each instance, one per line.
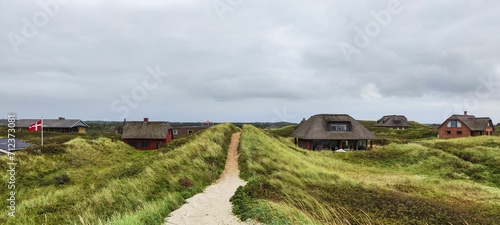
(146, 119)
(465, 113)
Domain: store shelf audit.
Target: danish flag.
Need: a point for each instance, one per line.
(36, 126)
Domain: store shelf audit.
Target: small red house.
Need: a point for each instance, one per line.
(146, 135)
(465, 125)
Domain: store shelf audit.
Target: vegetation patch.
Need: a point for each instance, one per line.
(100, 180)
(395, 184)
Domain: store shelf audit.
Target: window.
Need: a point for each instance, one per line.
(459, 132)
(448, 132)
(144, 144)
(338, 127)
(176, 132)
(491, 133)
(133, 144)
(454, 124)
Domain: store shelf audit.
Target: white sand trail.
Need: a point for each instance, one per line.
(213, 206)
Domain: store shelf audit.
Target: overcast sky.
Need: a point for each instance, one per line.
(242, 60)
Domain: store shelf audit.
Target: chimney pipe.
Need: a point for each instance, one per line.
(465, 113)
(146, 119)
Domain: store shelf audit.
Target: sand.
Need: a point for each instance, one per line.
(213, 206)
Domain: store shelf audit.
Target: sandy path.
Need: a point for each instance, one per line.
(213, 206)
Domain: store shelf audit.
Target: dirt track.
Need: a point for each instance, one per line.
(213, 206)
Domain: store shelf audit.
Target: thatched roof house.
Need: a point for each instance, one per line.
(466, 126)
(332, 131)
(55, 125)
(393, 121)
(146, 135)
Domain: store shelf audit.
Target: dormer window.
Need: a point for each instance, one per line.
(339, 127)
(454, 124)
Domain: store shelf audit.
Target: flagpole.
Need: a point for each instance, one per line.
(42, 130)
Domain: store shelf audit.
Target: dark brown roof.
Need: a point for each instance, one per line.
(146, 130)
(52, 123)
(392, 121)
(472, 122)
(4, 144)
(315, 128)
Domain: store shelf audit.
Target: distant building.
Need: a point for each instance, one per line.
(465, 126)
(186, 130)
(146, 135)
(332, 131)
(61, 124)
(393, 122)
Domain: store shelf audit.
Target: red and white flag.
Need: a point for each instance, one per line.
(36, 126)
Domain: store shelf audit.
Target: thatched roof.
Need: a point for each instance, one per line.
(316, 128)
(146, 130)
(472, 122)
(392, 121)
(52, 123)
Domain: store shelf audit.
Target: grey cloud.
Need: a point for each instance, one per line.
(280, 52)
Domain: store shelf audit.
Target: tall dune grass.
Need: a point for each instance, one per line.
(104, 181)
(396, 184)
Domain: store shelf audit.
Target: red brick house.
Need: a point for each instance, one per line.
(465, 125)
(332, 132)
(146, 135)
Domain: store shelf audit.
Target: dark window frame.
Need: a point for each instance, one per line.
(145, 144)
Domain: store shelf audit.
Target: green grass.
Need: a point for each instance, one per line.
(285, 131)
(394, 184)
(92, 179)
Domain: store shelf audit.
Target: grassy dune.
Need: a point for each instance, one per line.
(438, 182)
(92, 181)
